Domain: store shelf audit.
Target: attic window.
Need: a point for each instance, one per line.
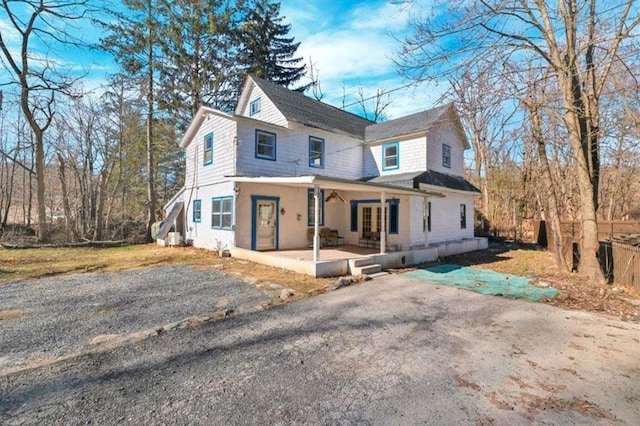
(446, 156)
(390, 156)
(208, 149)
(254, 106)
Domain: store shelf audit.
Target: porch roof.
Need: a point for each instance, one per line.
(310, 181)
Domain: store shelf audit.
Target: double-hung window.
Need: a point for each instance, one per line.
(390, 156)
(446, 156)
(265, 145)
(221, 212)
(463, 216)
(208, 149)
(254, 107)
(311, 208)
(316, 152)
(197, 211)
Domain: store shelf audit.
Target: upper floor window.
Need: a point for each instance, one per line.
(265, 145)
(316, 152)
(446, 155)
(463, 216)
(390, 156)
(208, 149)
(221, 212)
(254, 106)
(197, 210)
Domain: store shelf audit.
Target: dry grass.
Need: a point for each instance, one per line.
(38, 263)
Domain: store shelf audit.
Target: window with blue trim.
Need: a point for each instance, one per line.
(390, 156)
(311, 208)
(221, 212)
(208, 149)
(463, 216)
(265, 145)
(316, 152)
(197, 211)
(446, 155)
(255, 106)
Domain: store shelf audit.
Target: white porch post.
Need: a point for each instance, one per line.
(383, 223)
(316, 223)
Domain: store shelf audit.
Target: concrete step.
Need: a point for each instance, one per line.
(370, 269)
(362, 261)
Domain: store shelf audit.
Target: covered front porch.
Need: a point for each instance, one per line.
(312, 212)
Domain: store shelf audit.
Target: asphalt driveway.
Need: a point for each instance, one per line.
(390, 351)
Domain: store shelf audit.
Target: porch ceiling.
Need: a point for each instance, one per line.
(334, 184)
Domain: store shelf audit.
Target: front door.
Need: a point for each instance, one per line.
(266, 225)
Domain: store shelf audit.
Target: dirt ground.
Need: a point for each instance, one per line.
(576, 293)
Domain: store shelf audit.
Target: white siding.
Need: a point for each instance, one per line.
(202, 235)
(445, 217)
(343, 155)
(445, 134)
(417, 236)
(412, 154)
(224, 131)
(268, 111)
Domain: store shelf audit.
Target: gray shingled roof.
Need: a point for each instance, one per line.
(413, 180)
(405, 125)
(310, 112)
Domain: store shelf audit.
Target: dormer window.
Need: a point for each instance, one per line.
(446, 156)
(390, 156)
(208, 149)
(254, 106)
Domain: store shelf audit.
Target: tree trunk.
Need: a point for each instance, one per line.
(69, 222)
(102, 196)
(42, 234)
(151, 192)
(553, 215)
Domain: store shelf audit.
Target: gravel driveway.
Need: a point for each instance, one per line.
(390, 351)
(61, 315)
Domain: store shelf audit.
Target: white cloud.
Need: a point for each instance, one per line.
(388, 17)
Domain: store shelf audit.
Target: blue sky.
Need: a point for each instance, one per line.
(351, 44)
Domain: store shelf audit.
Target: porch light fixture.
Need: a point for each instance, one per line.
(333, 197)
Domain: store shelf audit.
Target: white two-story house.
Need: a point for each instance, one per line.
(285, 169)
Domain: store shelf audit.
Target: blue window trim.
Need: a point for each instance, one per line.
(275, 144)
(255, 106)
(448, 163)
(311, 164)
(394, 216)
(384, 155)
(225, 197)
(254, 214)
(208, 146)
(309, 198)
(197, 207)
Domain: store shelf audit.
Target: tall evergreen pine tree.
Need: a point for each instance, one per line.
(267, 52)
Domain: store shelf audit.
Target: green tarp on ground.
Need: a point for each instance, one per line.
(483, 281)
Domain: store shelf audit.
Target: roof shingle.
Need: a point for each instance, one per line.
(310, 112)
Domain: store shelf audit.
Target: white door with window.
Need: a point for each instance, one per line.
(266, 225)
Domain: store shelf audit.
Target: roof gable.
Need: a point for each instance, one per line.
(419, 122)
(299, 108)
(196, 122)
